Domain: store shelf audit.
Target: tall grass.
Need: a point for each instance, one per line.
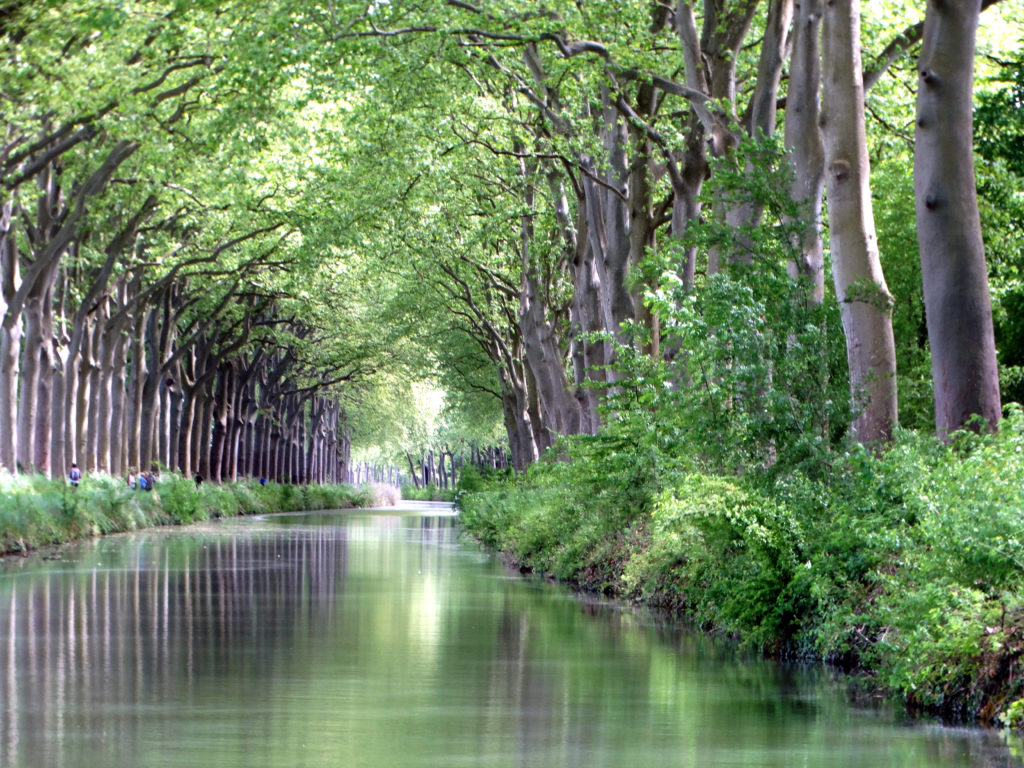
(36, 511)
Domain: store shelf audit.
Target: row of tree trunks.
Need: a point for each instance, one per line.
(545, 389)
(364, 472)
(109, 357)
(117, 404)
(441, 467)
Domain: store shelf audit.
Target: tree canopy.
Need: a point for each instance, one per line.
(238, 239)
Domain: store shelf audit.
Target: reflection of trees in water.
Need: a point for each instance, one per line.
(78, 648)
(242, 638)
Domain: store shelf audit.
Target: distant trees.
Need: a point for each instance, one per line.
(144, 318)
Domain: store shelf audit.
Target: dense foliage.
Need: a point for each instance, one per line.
(36, 511)
(907, 566)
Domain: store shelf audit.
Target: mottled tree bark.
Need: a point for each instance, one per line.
(133, 428)
(118, 394)
(221, 408)
(108, 382)
(804, 140)
(204, 428)
(163, 422)
(82, 396)
(44, 397)
(865, 301)
(28, 384)
(965, 372)
(10, 338)
(558, 408)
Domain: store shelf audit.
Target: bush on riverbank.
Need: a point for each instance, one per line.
(907, 566)
(430, 492)
(36, 511)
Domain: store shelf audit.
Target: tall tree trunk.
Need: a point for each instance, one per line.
(274, 441)
(518, 424)
(176, 400)
(197, 441)
(687, 182)
(72, 382)
(137, 378)
(344, 455)
(588, 355)
(185, 432)
(10, 339)
(163, 422)
(44, 401)
(953, 270)
(10, 344)
(311, 442)
(865, 301)
(412, 470)
(86, 366)
(236, 428)
(58, 416)
(804, 141)
(93, 403)
(617, 300)
(105, 391)
(259, 448)
(220, 425)
(150, 390)
(118, 428)
(205, 422)
(560, 411)
(28, 389)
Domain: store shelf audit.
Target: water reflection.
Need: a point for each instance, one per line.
(324, 640)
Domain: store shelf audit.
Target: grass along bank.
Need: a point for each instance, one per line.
(36, 511)
(905, 568)
(430, 492)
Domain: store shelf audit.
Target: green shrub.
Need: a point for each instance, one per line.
(471, 480)
(316, 497)
(907, 564)
(179, 498)
(35, 510)
(428, 493)
(247, 497)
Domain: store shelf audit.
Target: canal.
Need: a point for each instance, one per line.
(378, 639)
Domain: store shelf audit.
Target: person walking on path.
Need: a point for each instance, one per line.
(75, 475)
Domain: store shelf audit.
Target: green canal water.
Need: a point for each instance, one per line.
(377, 639)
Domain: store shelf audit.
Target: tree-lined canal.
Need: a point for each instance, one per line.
(377, 639)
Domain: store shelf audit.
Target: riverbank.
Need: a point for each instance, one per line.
(906, 568)
(36, 511)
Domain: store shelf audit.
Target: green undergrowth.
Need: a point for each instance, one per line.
(36, 511)
(906, 568)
